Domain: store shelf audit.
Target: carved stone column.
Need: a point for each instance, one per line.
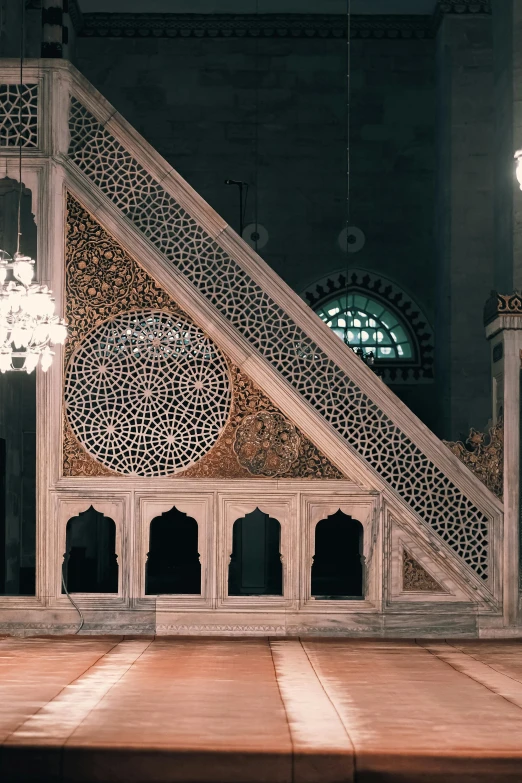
(503, 321)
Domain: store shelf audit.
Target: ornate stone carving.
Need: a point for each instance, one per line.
(422, 481)
(502, 304)
(484, 455)
(77, 461)
(147, 393)
(222, 462)
(415, 578)
(307, 26)
(266, 444)
(102, 282)
(464, 6)
(16, 99)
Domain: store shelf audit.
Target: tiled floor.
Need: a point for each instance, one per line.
(189, 710)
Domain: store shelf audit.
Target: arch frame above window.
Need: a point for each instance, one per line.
(115, 508)
(366, 509)
(419, 368)
(283, 509)
(196, 505)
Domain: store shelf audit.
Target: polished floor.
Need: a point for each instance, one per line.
(193, 710)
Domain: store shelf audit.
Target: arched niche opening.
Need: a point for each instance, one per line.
(338, 564)
(17, 426)
(173, 566)
(90, 561)
(255, 564)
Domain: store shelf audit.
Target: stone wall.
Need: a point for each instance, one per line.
(273, 112)
(465, 226)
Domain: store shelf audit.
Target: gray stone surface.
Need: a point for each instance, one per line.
(273, 112)
(464, 221)
(507, 30)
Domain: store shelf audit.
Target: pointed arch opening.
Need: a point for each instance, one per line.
(90, 562)
(338, 564)
(173, 564)
(255, 564)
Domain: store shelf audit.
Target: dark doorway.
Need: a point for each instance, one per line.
(173, 566)
(18, 483)
(337, 570)
(255, 566)
(90, 563)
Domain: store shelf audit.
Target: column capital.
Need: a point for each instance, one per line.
(502, 311)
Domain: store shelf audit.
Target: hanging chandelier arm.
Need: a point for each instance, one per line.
(20, 120)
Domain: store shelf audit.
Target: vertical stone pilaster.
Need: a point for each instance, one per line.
(464, 219)
(504, 332)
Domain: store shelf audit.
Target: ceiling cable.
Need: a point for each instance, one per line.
(20, 120)
(348, 87)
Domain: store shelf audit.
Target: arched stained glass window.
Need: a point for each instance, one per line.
(363, 322)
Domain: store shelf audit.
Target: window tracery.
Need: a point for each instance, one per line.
(363, 322)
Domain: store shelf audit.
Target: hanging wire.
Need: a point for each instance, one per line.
(82, 618)
(348, 86)
(20, 126)
(256, 135)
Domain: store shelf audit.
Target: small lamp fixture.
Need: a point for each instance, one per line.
(518, 170)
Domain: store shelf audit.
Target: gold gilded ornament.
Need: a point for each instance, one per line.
(103, 281)
(415, 578)
(484, 455)
(266, 444)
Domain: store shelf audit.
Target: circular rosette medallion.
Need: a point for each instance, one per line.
(147, 393)
(266, 444)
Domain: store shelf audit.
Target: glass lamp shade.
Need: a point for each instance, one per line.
(518, 170)
(28, 324)
(23, 269)
(31, 362)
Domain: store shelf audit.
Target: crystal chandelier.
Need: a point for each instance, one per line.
(29, 327)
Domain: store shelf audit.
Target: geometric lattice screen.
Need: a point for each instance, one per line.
(147, 393)
(18, 115)
(271, 332)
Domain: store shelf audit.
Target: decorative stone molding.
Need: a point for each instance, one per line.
(502, 304)
(484, 455)
(222, 460)
(464, 6)
(16, 99)
(420, 369)
(294, 26)
(103, 282)
(415, 578)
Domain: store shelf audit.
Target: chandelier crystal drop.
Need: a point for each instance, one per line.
(29, 327)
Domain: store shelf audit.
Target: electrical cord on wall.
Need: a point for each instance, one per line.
(82, 619)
